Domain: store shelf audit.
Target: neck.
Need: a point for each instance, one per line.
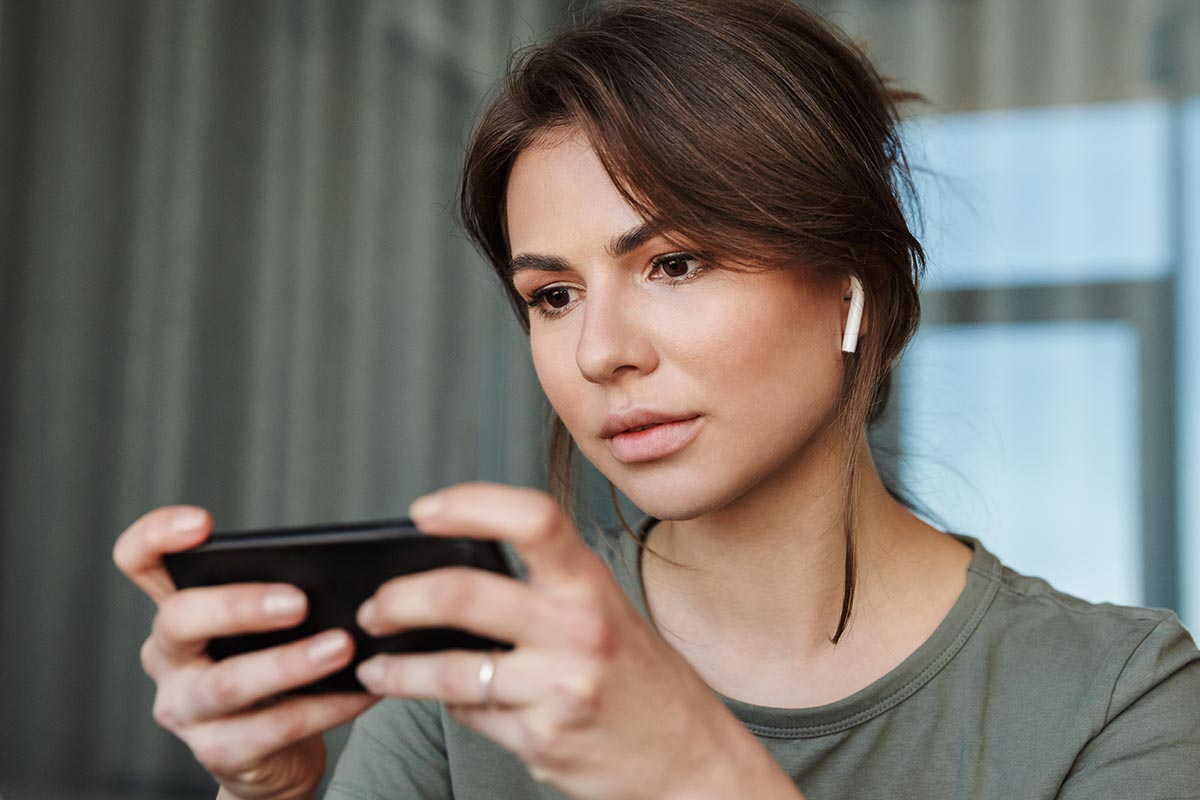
(768, 569)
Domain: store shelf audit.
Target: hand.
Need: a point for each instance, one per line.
(254, 747)
(591, 699)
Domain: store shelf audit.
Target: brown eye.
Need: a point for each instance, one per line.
(557, 298)
(677, 267)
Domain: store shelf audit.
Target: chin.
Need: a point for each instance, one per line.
(695, 487)
(694, 483)
(674, 500)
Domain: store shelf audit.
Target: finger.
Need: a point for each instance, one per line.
(235, 683)
(138, 550)
(534, 735)
(528, 519)
(472, 599)
(519, 677)
(188, 619)
(234, 744)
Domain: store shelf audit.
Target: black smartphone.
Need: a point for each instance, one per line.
(338, 567)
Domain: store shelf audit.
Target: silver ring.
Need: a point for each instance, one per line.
(487, 672)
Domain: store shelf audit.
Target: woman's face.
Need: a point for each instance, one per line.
(753, 358)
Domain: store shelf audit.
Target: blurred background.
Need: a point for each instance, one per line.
(230, 276)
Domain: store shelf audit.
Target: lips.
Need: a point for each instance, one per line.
(653, 442)
(640, 418)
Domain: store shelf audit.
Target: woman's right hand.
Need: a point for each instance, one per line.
(255, 748)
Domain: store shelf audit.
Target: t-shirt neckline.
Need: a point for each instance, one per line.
(883, 694)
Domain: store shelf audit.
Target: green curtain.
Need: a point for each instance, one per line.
(230, 276)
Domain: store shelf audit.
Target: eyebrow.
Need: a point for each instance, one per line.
(618, 246)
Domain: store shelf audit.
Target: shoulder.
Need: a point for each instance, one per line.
(1062, 644)
(1120, 684)
(1026, 606)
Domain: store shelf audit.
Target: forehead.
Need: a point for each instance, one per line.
(559, 194)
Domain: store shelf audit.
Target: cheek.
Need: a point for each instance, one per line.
(554, 363)
(768, 361)
(765, 335)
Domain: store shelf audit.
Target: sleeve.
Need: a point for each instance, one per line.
(1149, 744)
(396, 750)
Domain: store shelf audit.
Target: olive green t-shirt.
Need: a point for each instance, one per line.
(1021, 693)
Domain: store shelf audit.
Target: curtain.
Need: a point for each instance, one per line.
(231, 277)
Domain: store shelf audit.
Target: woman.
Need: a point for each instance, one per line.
(696, 211)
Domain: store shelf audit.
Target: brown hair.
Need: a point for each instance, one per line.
(753, 129)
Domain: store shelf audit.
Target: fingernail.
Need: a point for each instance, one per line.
(370, 672)
(425, 506)
(327, 646)
(187, 519)
(366, 613)
(283, 603)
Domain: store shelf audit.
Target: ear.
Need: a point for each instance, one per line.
(856, 323)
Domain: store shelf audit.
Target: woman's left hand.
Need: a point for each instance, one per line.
(591, 699)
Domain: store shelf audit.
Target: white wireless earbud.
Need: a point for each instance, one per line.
(854, 319)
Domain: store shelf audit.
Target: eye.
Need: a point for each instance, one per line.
(550, 302)
(675, 266)
(554, 301)
(556, 296)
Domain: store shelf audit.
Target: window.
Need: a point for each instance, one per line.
(1048, 405)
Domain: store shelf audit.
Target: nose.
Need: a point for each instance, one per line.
(615, 338)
